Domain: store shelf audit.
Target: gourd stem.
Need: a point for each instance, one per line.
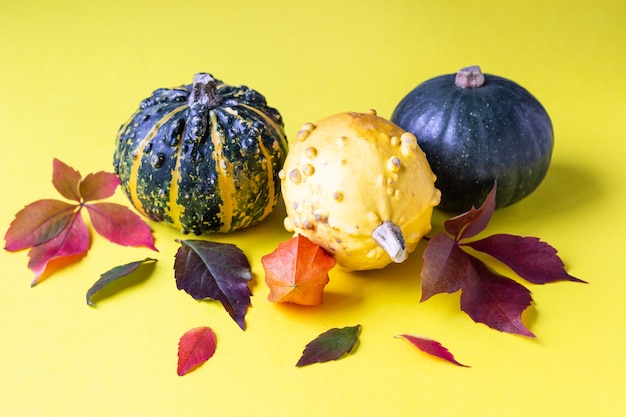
(389, 237)
(204, 91)
(469, 77)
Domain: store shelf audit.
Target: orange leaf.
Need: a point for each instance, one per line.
(297, 271)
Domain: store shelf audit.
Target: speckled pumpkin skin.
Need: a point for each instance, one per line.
(202, 167)
(349, 173)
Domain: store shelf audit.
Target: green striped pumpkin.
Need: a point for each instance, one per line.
(202, 157)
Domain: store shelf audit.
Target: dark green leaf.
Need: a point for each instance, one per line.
(114, 274)
(330, 345)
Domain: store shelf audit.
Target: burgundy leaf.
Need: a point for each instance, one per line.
(219, 271)
(114, 274)
(38, 223)
(530, 258)
(445, 266)
(494, 300)
(98, 186)
(330, 345)
(74, 240)
(66, 180)
(195, 347)
(120, 225)
(431, 347)
(474, 221)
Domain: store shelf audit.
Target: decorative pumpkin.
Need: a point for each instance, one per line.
(475, 129)
(360, 187)
(202, 157)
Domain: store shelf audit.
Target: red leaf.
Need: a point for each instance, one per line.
(98, 186)
(474, 221)
(219, 271)
(330, 345)
(495, 300)
(195, 347)
(530, 258)
(297, 271)
(431, 347)
(445, 266)
(38, 223)
(120, 225)
(66, 180)
(74, 240)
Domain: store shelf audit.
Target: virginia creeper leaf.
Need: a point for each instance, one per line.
(530, 258)
(431, 347)
(297, 271)
(38, 223)
(495, 300)
(114, 274)
(73, 240)
(66, 180)
(195, 347)
(445, 266)
(330, 345)
(474, 221)
(98, 186)
(219, 271)
(120, 225)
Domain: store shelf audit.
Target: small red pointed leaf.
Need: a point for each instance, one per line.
(495, 300)
(473, 221)
(217, 271)
(66, 180)
(98, 186)
(195, 347)
(114, 274)
(530, 258)
(431, 347)
(330, 345)
(120, 225)
(445, 266)
(38, 223)
(74, 240)
(297, 271)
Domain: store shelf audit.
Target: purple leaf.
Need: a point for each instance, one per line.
(431, 347)
(219, 271)
(98, 186)
(74, 240)
(330, 345)
(38, 223)
(474, 221)
(530, 258)
(114, 274)
(445, 266)
(66, 180)
(495, 300)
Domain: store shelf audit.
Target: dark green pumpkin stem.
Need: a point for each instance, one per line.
(469, 77)
(204, 91)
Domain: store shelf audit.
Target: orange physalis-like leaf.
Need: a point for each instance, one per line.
(297, 271)
(195, 347)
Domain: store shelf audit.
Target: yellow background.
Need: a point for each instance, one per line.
(71, 72)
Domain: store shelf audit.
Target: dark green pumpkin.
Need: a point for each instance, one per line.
(202, 157)
(476, 129)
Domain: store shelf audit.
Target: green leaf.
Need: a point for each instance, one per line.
(330, 345)
(114, 274)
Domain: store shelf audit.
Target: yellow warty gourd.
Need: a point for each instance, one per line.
(360, 187)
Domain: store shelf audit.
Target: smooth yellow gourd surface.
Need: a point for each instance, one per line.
(360, 187)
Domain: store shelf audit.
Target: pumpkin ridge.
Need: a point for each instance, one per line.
(134, 172)
(225, 178)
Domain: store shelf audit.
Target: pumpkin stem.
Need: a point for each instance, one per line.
(204, 91)
(469, 77)
(389, 237)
